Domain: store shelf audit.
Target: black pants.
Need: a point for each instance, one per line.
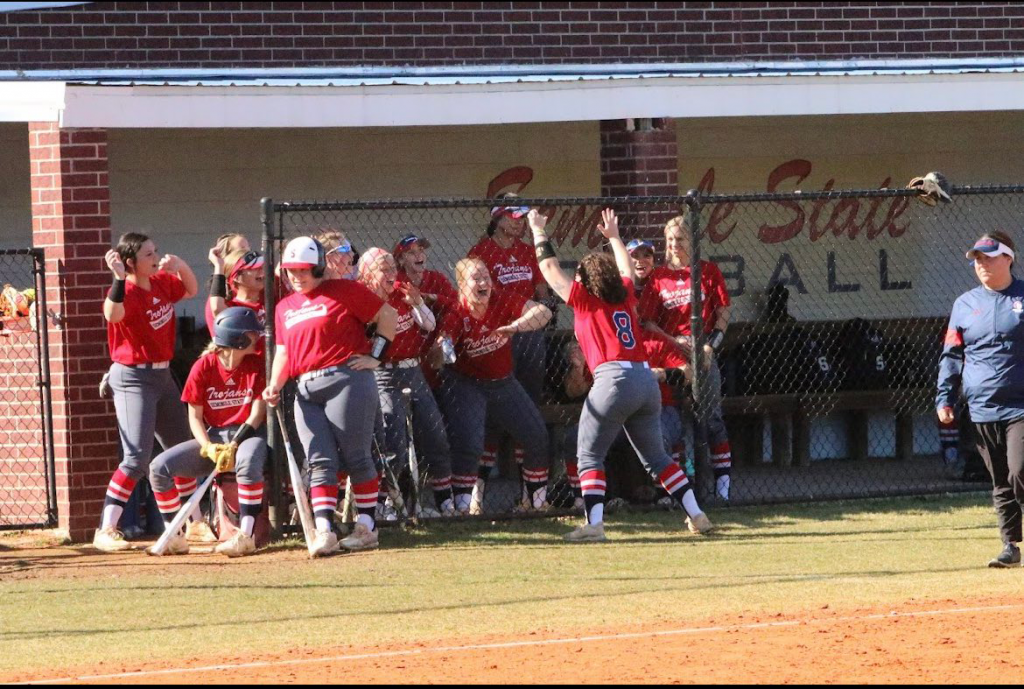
(1001, 445)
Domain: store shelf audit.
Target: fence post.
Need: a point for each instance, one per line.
(702, 468)
(45, 398)
(277, 505)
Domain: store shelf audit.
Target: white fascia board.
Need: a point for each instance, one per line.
(31, 101)
(383, 106)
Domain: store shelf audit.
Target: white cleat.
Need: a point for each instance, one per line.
(588, 533)
(238, 545)
(178, 545)
(200, 532)
(361, 538)
(324, 543)
(110, 540)
(699, 524)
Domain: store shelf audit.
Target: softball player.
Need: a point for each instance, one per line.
(321, 330)
(340, 255)
(237, 281)
(139, 310)
(480, 383)
(223, 407)
(625, 393)
(642, 253)
(401, 369)
(665, 306)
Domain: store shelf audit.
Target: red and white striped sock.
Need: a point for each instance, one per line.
(677, 485)
(572, 473)
(593, 485)
(324, 501)
(119, 490)
(442, 488)
(250, 504)
(487, 461)
(186, 488)
(168, 503)
(519, 453)
(721, 464)
(365, 496)
(536, 482)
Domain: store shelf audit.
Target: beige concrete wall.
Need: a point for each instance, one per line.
(15, 190)
(187, 187)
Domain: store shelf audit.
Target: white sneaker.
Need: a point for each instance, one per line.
(427, 512)
(361, 538)
(110, 540)
(238, 545)
(588, 533)
(200, 532)
(448, 508)
(178, 545)
(476, 502)
(324, 543)
(386, 512)
(700, 524)
(463, 505)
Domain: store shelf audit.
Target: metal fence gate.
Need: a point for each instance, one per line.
(828, 370)
(27, 485)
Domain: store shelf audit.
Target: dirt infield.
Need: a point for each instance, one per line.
(975, 641)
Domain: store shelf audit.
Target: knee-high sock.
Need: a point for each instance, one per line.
(250, 504)
(677, 485)
(721, 463)
(365, 496)
(593, 485)
(119, 490)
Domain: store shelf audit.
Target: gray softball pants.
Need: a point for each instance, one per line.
(466, 403)
(715, 421)
(528, 361)
(148, 404)
(427, 423)
(671, 434)
(184, 460)
(334, 416)
(624, 396)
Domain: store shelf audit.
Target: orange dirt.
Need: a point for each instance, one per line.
(975, 641)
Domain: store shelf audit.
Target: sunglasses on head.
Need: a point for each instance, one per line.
(343, 248)
(510, 210)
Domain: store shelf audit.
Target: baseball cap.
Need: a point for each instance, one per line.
(406, 242)
(989, 247)
(639, 244)
(514, 211)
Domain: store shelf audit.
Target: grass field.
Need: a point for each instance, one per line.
(66, 607)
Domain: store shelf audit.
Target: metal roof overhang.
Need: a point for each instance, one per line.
(374, 97)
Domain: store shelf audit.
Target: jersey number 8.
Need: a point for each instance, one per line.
(624, 328)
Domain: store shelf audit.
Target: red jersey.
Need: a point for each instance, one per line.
(146, 333)
(513, 270)
(410, 338)
(662, 352)
(479, 352)
(606, 332)
(261, 313)
(666, 298)
(225, 396)
(326, 326)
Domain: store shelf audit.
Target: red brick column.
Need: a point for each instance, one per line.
(639, 158)
(71, 222)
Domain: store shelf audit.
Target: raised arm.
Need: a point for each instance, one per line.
(173, 264)
(533, 317)
(553, 274)
(113, 305)
(609, 227)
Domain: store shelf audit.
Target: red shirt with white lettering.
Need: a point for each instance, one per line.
(514, 270)
(666, 298)
(479, 352)
(146, 333)
(606, 332)
(662, 352)
(409, 337)
(326, 326)
(225, 396)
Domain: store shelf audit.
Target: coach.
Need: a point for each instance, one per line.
(984, 353)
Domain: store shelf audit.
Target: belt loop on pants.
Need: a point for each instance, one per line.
(310, 375)
(152, 364)
(402, 363)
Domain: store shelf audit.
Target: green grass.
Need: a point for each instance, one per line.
(507, 578)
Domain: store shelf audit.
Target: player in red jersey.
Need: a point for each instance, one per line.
(625, 393)
(237, 281)
(480, 386)
(321, 341)
(642, 253)
(665, 306)
(401, 370)
(340, 255)
(139, 310)
(222, 393)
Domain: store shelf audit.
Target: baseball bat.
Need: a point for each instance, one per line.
(414, 464)
(179, 519)
(298, 487)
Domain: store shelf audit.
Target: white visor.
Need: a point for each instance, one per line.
(990, 248)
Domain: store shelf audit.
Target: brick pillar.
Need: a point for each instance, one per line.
(71, 222)
(639, 158)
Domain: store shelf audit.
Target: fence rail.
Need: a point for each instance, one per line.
(824, 386)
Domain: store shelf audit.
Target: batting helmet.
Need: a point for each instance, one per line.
(232, 325)
(305, 252)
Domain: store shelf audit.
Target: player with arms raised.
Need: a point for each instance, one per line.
(625, 393)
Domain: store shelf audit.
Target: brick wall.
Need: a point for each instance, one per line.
(284, 34)
(639, 158)
(71, 222)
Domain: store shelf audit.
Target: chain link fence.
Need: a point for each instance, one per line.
(824, 384)
(27, 488)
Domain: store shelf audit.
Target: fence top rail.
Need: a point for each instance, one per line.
(693, 197)
(21, 252)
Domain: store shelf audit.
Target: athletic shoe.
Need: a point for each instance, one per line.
(238, 545)
(476, 502)
(178, 545)
(427, 512)
(1008, 558)
(200, 532)
(525, 506)
(110, 540)
(324, 543)
(448, 508)
(614, 505)
(667, 502)
(588, 533)
(386, 511)
(361, 538)
(463, 506)
(699, 524)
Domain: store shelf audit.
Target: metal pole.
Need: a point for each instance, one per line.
(45, 394)
(277, 503)
(700, 378)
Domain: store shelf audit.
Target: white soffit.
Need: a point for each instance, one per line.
(27, 101)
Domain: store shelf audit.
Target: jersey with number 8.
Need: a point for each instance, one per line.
(606, 332)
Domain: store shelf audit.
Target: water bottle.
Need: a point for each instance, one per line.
(448, 349)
